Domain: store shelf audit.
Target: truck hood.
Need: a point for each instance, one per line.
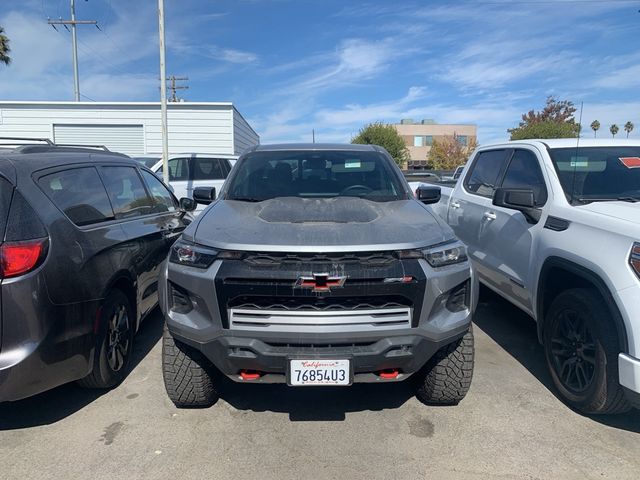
(626, 211)
(292, 224)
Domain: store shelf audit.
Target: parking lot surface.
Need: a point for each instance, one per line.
(510, 425)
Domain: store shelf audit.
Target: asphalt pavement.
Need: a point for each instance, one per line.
(511, 425)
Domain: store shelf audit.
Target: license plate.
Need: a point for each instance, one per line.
(319, 372)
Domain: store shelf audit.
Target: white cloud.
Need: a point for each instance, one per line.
(233, 56)
(41, 66)
(623, 78)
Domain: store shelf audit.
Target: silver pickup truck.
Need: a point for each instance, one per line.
(316, 266)
(553, 226)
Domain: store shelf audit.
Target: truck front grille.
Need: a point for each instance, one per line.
(319, 321)
(373, 259)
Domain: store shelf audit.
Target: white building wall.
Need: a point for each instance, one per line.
(193, 127)
(243, 135)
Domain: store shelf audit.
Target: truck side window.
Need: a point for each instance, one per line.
(485, 172)
(524, 172)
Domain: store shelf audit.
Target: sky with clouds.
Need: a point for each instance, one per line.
(291, 66)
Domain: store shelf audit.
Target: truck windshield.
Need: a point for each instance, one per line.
(315, 174)
(591, 174)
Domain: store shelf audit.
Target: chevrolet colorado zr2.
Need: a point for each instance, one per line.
(316, 265)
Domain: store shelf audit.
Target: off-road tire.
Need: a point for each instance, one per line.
(604, 395)
(186, 374)
(102, 374)
(446, 378)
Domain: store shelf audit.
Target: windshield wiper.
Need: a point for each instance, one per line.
(246, 199)
(608, 199)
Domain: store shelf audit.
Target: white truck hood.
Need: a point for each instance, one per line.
(625, 211)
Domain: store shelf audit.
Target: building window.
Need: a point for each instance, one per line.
(423, 140)
(462, 140)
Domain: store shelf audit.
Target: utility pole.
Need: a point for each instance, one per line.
(174, 87)
(74, 43)
(163, 94)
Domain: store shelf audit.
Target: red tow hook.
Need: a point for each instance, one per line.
(389, 373)
(249, 375)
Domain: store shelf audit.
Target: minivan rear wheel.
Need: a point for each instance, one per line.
(187, 374)
(114, 342)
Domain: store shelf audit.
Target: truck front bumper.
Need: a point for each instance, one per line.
(406, 351)
(629, 371)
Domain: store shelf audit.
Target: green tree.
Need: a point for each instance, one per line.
(448, 153)
(387, 137)
(555, 120)
(546, 129)
(614, 130)
(595, 126)
(628, 127)
(4, 48)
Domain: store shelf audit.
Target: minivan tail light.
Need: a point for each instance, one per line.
(634, 258)
(18, 258)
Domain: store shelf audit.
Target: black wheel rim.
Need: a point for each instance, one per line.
(573, 351)
(118, 338)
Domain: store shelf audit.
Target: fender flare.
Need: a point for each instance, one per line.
(590, 277)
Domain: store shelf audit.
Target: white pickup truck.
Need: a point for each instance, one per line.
(553, 226)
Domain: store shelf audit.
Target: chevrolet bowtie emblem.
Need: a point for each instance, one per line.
(320, 282)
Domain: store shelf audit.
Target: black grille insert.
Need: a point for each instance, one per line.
(366, 258)
(319, 304)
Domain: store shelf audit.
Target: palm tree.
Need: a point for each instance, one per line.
(614, 129)
(595, 126)
(628, 127)
(4, 48)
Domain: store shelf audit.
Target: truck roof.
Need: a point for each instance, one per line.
(584, 142)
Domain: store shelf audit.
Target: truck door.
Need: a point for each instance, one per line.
(509, 238)
(471, 203)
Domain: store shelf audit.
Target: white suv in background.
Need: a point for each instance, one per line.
(190, 170)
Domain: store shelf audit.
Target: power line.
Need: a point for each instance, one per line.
(174, 87)
(74, 42)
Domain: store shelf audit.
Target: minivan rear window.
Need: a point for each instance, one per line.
(79, 193)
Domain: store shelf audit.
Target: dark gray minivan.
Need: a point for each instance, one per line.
(82, 235)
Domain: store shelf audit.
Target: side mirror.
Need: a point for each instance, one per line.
(188, 204)
(427, 194)
(204, 195)
(521, 200)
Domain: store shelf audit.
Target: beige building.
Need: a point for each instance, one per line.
(419, 136)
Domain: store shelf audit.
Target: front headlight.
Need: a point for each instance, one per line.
(634, 258)
(192, 255)
(441, 255)
(446, 255)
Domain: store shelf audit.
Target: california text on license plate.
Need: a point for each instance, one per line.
(319, 372)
